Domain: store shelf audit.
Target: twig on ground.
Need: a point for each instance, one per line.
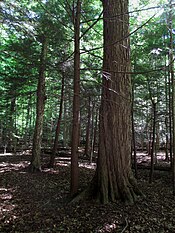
(126, 226)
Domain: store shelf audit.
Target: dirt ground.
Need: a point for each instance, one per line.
(38, 203)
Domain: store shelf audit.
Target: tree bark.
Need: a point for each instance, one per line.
(57, 132)
(166, 119)
(170, 119)
(86, 152)
(153, 142)
(65, 123)
(114, 179)
(11, 144)
(76, 104)
(94, 131)
(133, 134)
(171, 62)
(41, 97)
(28, 118)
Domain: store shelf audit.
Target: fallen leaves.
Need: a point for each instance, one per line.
(37, 203)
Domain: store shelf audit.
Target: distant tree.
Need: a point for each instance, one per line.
(171, 70)
(57, 132)
(87, 145)
(41, 97)
(76, 102)
(133, 147)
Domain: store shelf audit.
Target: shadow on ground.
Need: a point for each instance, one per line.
(37, 203)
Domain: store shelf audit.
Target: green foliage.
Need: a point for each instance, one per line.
(24, 23)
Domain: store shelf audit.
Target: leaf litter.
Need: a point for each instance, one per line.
(38, 203)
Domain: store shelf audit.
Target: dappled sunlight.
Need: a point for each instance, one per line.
(39, 200)
(6, 154)
(143, 157)
(50, 170)
(160, 156)
(11, 162)
(66, 162)
(87, 165)
(109, 227)
(8, 167)
(63, 161)
(7, 207)
(63, 158)
(4, 195)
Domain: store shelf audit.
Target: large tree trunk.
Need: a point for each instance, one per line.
(41, 97)
(114, 176)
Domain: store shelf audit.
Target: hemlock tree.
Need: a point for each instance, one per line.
(76, 103)
(41, 97)
(57, 132)
(114, 179)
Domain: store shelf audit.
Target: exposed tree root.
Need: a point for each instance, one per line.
(128, 194)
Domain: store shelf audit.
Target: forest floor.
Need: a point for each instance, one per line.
(37, 203)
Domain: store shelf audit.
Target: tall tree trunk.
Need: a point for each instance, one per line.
(133, 134)
(11, 122)
(86, 152)
(153, 130)
(57, 132)
(28, 115)
(65, 129)
(171, 59)
(76, 104)
(166, 117)
(170, 120)
(114, 179)
(94, 131)
(41, 97)
(153, 141)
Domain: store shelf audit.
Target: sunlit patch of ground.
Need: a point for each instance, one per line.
(6, 154)
(7, 206)
(109, 227)
(66, 161)
(8, 167)
(88, 165)
(143, 157)
(63, 161)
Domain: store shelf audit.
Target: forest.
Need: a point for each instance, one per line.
(87, 116)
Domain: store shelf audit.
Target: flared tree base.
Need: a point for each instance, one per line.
(127, 194)
(32, 168)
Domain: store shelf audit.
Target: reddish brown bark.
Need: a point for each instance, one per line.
(76, 104)
(57, 132)
(171, 62)
(114, 179)
(41, 97)
(153, 142)
(86, 152)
